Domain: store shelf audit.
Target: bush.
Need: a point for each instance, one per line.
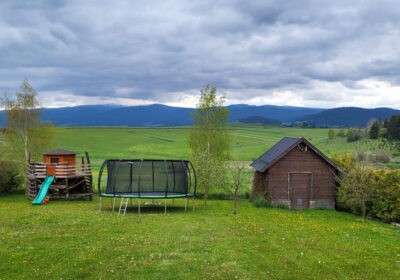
(382, 157)
(361, 156)
(368, 192)
(383, 132)
(356, 190)
(386, 203)
(9, 177)
(259, 202)
(353, 135)
(342, 133)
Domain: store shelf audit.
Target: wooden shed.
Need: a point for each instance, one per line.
(296, 174)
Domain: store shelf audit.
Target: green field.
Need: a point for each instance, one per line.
(248, 142)
(72, 240)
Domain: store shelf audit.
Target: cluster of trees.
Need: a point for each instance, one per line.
(25, 135)
(388, 129)
(369, 192)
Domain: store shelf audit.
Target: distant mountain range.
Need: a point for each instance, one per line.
(349, 116)
(161, 115)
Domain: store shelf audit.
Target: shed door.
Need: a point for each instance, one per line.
(300, 186)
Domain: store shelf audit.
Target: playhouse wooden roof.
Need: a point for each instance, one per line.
(281, 148)
(59, 152)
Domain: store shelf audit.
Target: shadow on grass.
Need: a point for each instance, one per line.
(151, 208)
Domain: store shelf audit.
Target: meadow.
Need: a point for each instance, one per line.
(72, 240)
(248, 142)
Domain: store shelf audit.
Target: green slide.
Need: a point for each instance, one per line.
(43, 190)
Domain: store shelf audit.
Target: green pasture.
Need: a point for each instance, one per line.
(72, 240)
(248, 142)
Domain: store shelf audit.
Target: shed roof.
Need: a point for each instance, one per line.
(281, 148)
(59, 152)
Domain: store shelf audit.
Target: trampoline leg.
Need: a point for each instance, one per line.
(139, 206)
(193, 203)
(186, 200)
(113, 204)
(165, 212)
(100, 204)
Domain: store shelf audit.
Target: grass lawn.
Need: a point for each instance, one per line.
(71, 240)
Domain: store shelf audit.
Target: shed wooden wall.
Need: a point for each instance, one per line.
(301, 161)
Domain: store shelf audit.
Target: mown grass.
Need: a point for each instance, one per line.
(72, 240)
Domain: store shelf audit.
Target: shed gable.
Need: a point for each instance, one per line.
(283, 147)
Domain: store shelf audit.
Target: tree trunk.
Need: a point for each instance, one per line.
(235, 197)
(363, 210)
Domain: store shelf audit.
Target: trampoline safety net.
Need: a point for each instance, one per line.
(148, 178)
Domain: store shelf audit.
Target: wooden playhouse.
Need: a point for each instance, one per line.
(72, 179)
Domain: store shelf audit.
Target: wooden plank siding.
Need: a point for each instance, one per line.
(295, 173)
(301, 161)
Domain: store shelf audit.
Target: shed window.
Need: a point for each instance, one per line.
(54, 160)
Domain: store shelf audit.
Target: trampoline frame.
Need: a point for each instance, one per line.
(189, 188)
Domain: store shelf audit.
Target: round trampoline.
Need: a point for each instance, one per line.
(146, 179)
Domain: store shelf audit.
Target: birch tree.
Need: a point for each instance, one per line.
(25, 130)
(209, 140)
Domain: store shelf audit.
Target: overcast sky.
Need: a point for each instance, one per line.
(301, 53)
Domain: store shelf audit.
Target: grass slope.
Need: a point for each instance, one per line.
(71, 240)
(248, 142)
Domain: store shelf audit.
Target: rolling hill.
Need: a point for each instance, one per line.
(161, 115)
(349, 116)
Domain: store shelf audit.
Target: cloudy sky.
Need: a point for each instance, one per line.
(302, 53)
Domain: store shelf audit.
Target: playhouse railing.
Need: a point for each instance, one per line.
(60, 170)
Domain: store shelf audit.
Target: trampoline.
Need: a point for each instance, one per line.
(129, 179)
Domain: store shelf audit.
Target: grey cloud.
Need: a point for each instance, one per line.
(160, 48)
